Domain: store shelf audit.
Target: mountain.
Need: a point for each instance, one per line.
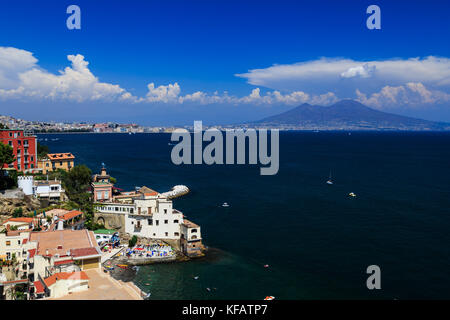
(346, 114)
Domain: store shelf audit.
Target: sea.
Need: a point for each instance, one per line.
(317, 240)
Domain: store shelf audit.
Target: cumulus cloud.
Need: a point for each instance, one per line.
(410, 82)
(411, 94)
(364, 71)
(171, 94)
(345, 75)
(24, 79)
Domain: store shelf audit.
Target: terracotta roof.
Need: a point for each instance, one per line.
(79, 275)
(70, 215)
(39, 288)
(21, 219)
(32, 253)
(57, 263)
(190, 224)
(147, 191)
(68, 239)
(24, 241)
(83, 252)
(60, 156)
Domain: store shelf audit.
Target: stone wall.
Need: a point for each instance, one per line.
(111, 221)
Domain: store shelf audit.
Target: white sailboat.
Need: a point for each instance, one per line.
(330, 181)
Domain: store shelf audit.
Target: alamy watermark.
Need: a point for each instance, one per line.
(235, 140)
(374, 280)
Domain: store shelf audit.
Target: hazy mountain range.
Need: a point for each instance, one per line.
(345, 114)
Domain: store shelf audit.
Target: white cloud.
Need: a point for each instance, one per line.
(74, 83)
(345, 75)
(364, 71)
(413, 82)
(413, 94)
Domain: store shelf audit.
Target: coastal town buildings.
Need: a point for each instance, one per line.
(42, 189)
(61, 284)
(55, 161)
(148, 214)
(24, 147)
(102, 188)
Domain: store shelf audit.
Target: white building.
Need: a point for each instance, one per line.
(43, 189)
(48, 189)
(150, 215)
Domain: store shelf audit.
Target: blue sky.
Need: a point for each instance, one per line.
(220, 61)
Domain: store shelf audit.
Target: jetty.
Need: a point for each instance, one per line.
(177, 191)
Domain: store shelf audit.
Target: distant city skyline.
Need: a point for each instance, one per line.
(223, 62)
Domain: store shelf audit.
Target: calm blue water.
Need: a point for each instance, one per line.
(317, 241)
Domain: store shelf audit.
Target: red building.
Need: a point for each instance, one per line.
(24, 146)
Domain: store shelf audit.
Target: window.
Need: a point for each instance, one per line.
(60, 163)
(8, 256)
(106, 194)
(131, 210)
(176, 234)
(10, 143)
(116, 208)
(166, 221)
(8, 243)
(99, 195)
(150, 222)
(194, 237)
(175, 221)
(193, 230)
(18, 242)
(165, 210)
(10, 134)
(167, 234)
(157, 222)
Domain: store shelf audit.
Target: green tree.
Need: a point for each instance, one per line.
(3, 126)
(42, 150)
(132, 242)
(18, 212)
(6, 157)
(77, 183)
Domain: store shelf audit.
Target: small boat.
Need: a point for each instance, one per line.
(196, 278)
(123, 266)
(266, 266)
(208, 289)
(269, 298)
(225, 205)
(147, 295)
(109, 268)
(351, 194)
(329, 181)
